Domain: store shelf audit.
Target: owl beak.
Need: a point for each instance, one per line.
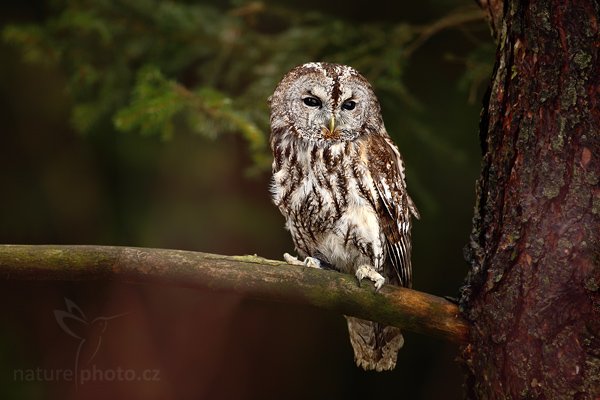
(329, 132)
(332, 124)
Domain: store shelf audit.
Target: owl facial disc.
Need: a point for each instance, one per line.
(326, 103)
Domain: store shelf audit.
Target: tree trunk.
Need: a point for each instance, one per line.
(532, 294)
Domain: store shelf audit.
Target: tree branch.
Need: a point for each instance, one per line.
(255, 276)
(494, 12)
(456, 18)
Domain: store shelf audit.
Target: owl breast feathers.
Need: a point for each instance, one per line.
(338, 179)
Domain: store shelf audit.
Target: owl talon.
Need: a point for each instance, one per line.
(290, 259)
(309, 262)
(312, 262)
(367, 271)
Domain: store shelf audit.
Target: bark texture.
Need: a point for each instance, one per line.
(532, 293)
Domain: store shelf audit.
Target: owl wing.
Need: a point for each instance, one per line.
(395, 206)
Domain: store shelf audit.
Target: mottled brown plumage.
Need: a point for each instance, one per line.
(338, 179)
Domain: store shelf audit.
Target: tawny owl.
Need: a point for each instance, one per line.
(338, 179)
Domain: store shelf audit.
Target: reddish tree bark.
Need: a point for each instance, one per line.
(532, 293)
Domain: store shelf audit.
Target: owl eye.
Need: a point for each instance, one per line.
(312, 102)
(349, 105)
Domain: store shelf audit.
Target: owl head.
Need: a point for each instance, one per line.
(325, 102)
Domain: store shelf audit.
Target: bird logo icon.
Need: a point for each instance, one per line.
(89, 333)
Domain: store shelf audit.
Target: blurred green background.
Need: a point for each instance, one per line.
(145, 123)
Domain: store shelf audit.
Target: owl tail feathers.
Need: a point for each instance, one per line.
(375, 346)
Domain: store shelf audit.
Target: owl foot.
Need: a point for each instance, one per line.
(310, 262)
(290, 259)
(367, 271)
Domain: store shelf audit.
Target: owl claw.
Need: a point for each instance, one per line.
(310, 262)
(290, 259)
(367, 271)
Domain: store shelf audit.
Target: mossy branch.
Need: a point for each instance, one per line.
(255, 276)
